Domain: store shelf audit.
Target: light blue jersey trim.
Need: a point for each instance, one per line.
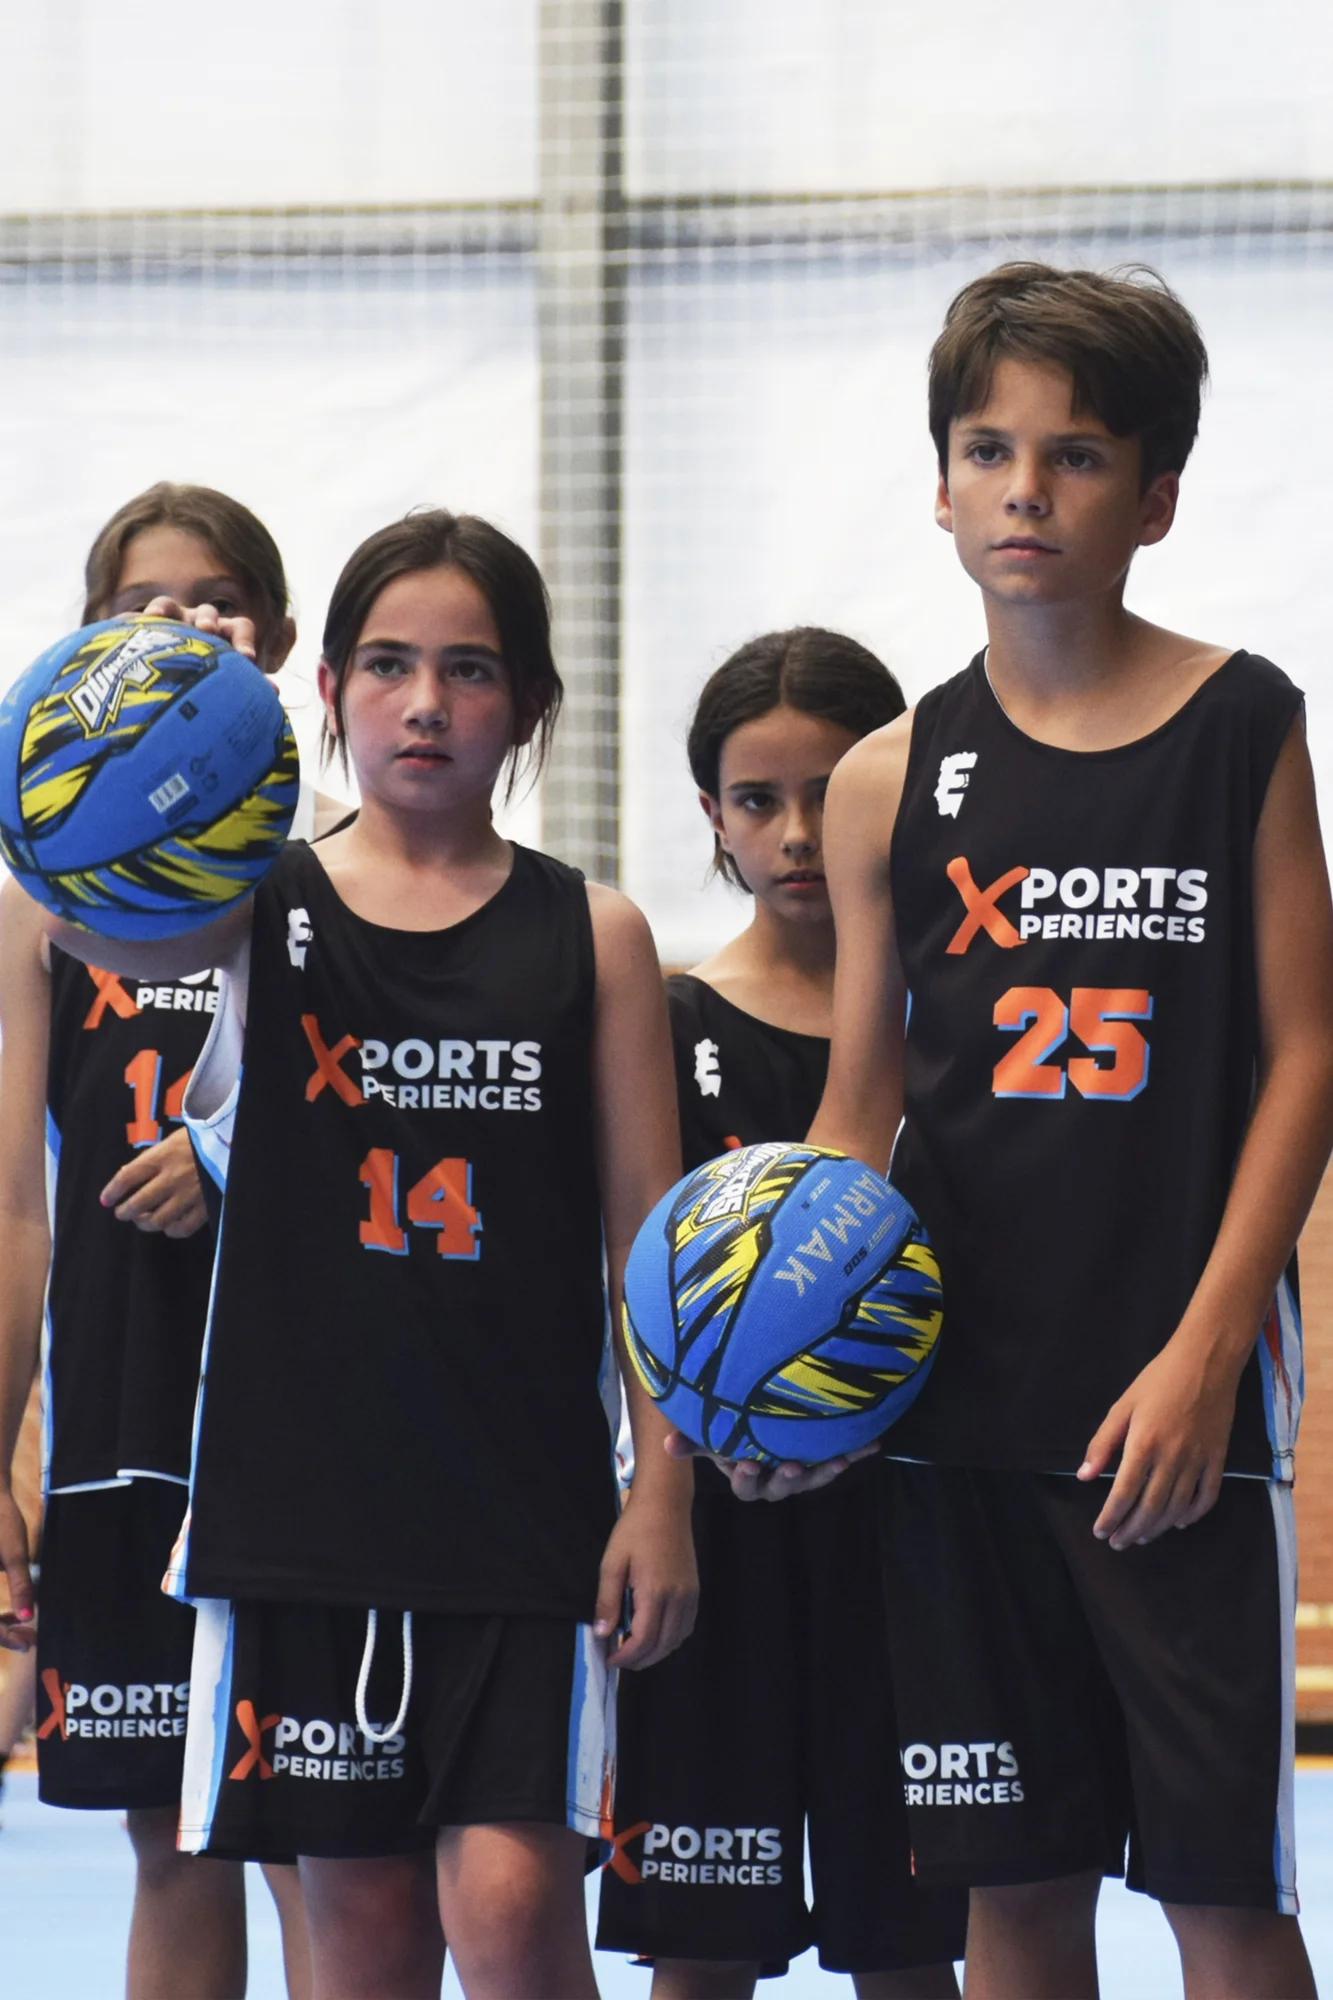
(1284, 1829)
(1282, 1374)
(211, 1137)
(52, 1175)
(591, 1747)
(209, 1109)
(211, 1668)
(91, 1486)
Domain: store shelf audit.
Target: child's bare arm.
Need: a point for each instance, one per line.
(862, 1102)
(25, 1008)
(651, 1550)
(1173, 1424)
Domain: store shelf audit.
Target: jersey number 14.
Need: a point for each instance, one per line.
(441, 1200)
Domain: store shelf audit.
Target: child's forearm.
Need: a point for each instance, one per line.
(864, 1132)
(671, 1478)
(24, 1254)
(1277, 1177)
(656, 1475)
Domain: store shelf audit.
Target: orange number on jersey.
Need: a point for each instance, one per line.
(440, 1200)
(1100, 1016)
(144, 1077)
(379, 1173)
(1024, 1070)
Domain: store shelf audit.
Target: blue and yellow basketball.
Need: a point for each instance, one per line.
(148, 777)
(782, 1302)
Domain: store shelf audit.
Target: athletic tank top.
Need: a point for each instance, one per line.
(741, 1081)
(125, 1311)
(1076, 930)
(402, 1395)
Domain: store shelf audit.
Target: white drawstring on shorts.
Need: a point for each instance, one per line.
(363, 1680)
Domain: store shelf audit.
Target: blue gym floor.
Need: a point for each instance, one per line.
(65, 1889)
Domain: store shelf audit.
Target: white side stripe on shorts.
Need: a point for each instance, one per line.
(591, 1763)
(1284, 1832)
(206, 1729)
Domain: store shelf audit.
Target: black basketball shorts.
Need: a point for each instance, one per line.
(773, 1720)
(1065, 1707)
(113, 1654)
(509, 1718)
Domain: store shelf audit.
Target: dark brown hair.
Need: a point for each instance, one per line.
(824, 674)
(507, 578)
(236, 536)
(1131, 348)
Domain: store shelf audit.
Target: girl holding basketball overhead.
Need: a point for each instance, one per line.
(92, 1071)
(441, 1071)
(774, 1721)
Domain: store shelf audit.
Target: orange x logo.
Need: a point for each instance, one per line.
(982, 913)
(617, 1860)
(327, 1061)
(55, 1694)
(110, 993)
(253, 1731)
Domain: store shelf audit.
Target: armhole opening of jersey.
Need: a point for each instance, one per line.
(216, 1077)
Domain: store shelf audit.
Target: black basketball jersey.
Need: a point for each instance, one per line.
(125, 1309)
(1076, 929)
(406, 1354)
(739, 1080)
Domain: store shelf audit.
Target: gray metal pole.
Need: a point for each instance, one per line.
(581, 319)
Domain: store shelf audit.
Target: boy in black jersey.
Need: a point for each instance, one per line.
(1093, 860)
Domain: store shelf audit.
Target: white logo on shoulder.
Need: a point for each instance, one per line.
(706, 1072)
(300, 933)
(953, 781)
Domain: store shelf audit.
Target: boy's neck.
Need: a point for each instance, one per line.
(1061, 648)
(1090, 675)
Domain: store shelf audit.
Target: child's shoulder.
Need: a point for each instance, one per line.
(1246, 678)
(1253, 705)
(876, 759)
(866, 788)
(1169, 675)
(621, 936)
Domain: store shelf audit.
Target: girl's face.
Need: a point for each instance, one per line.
(428, 710)
(769, 815)
(171, 562)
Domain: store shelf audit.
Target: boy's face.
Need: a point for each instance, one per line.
(1044, 503)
